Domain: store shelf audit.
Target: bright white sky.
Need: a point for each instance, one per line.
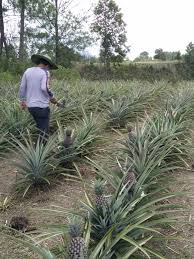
(151, 24)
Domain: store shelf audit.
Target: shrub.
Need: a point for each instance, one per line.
(67, 74)
(147, 72)
(7, 77)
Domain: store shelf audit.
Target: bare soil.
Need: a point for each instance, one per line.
(61, 193)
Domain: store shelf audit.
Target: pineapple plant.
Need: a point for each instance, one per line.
(100, 199)
(77, 247)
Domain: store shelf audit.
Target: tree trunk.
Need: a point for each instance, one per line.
(2, 33)
(1, 28)
(56, 33)
(22, 20)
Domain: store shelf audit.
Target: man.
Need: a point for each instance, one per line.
(35, 94)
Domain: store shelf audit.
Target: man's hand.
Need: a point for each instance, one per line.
(61, 105)
(23, 105)
(53, 100)
(58, 104)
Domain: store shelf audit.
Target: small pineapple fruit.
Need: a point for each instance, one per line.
(19, 223)
(129, 179)
(68, 141)
(101, 200)
(131, 136)
(77, 247)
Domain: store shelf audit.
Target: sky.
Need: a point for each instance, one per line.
(152, 24)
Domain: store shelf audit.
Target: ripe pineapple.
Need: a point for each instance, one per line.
(77, 247)
(101, 200)
(129, 179)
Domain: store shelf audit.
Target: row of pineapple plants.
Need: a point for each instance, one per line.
(117, 101)
(38, 162)
(122, 224)
(67, 143)
(125, 223)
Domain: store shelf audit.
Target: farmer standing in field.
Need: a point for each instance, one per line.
(35, 94)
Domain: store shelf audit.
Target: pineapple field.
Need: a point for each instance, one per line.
(114, 179)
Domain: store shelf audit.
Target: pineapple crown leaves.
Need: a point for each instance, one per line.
(99, 186)
(69, 132)
(60, 132)
(75, 226)
(126, 167)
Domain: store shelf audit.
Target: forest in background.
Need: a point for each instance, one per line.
(53, 27)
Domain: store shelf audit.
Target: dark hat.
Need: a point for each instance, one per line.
(36, 58)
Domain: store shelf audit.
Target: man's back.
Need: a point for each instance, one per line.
(35, 93)
(34, 87)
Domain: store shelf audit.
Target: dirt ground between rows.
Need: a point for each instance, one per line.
(61, 193)
(68, 195)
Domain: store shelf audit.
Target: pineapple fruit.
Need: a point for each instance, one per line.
(19, 223)
(129, 179)
(68, 139)
(100, 199)
(77, 248)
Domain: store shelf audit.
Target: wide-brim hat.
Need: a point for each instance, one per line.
(36, 58)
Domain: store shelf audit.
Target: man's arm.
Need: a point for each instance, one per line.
(45, 85)
(45, 88)
(23, 91)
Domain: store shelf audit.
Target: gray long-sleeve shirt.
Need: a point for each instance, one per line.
(34, 88)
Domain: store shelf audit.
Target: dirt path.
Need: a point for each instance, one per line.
(61, 193)
(185, 183)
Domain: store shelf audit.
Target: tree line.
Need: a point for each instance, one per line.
(162, 55)
(52, 27)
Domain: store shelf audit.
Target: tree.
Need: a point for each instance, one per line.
(22, 20)
(189, 56)
(67, 56)
(111, 30)
(144, 55)
(46, 24)
(3, 41)
(56, 31)
(159, 54)
(167, 55)
(178, 56)
(56, 25)
(23, 7)
(189, 59)
(172, 55)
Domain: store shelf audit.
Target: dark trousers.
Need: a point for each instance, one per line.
(41, 117)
